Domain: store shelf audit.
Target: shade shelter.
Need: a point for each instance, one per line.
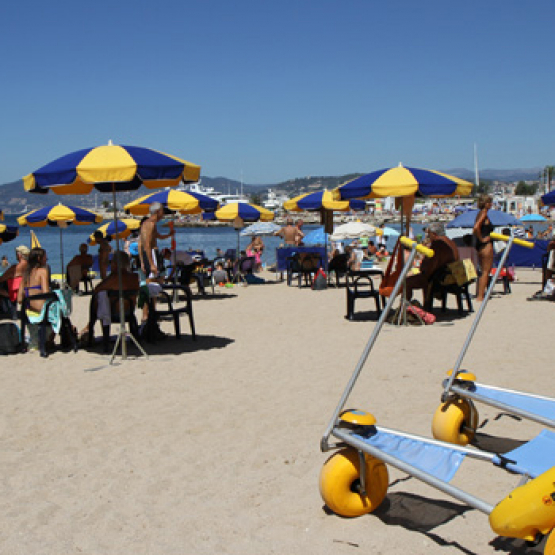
(8, 233)
(496, 217)
(326, 204)
(529, 218)
(259, 229)
(173, 201)
(109, 169)
(403, 182)
(240, 212)
(116, 230)
(354, 230)
(59, 215)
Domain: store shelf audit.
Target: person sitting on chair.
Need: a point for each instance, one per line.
(79, 266)
(129, 282)
(445, 252)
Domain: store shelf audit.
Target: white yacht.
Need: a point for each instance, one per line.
(198, 188)
(274, 201)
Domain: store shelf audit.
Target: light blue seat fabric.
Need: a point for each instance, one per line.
(533, 458)
(537, 405)
(441, 462)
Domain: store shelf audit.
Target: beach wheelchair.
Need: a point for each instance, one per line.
(354, 480)
(456, 419)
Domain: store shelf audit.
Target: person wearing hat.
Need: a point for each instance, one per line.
(445, 252)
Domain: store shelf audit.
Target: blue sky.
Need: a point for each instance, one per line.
(273, 90)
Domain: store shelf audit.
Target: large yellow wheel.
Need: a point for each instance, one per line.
(549, 548)
(340, 483)
(455, 421)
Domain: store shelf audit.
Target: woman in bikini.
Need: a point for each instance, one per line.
(35, 279)
(482, 231)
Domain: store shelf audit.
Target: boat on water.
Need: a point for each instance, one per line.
(274, 201)
(222, 198)
(197, 187)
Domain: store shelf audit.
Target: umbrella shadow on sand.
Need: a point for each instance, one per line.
(171, 345)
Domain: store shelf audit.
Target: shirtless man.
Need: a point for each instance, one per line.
(104, 250)
(445, 251)
(288, 233)
(148, 241)
(300, 235)
(83, 262)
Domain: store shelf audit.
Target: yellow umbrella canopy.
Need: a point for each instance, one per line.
(174, 201)
(111, 168)
(59, 214)
(322, 200)
(245, 211)
(403, 181)
(120, 229)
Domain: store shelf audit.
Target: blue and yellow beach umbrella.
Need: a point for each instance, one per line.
(403, 182)
(59, 214)
(8, 233)
(322, 200)
(247, 212)
(174, 201)
(116, 230)
(111, 168)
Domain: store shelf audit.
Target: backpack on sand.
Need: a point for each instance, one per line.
(320, 281)
(10, 338)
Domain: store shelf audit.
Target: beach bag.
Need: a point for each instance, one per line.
(391, 275)
(420, 313)
(320, 281)
(10, 338)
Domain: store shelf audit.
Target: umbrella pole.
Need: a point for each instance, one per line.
(62, 258)
(123, 333)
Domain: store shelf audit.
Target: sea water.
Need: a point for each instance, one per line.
(55, 240)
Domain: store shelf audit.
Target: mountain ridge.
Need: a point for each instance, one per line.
(13, 198)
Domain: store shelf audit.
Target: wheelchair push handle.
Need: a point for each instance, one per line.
(499, 237)
(420, 248)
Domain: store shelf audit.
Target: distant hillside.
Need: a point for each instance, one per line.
(14, 199)
(507, 176)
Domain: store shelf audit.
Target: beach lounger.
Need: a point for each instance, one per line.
(354, 480)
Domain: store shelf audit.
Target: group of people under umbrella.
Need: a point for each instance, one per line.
(112, 168)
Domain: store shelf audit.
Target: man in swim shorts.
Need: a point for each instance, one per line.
(148, 241)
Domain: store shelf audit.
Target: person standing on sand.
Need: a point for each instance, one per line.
(104, 250)
(300, 235)
(484, 245)
(288, 233)
(148, 241)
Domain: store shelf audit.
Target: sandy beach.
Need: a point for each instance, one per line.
(212, 446)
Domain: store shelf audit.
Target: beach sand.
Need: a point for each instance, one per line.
(212, 446)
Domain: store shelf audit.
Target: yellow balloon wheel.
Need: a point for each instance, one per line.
(340, 483)
(455, 421)
(549, 548)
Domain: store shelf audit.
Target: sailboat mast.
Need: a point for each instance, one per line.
(476, 175)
